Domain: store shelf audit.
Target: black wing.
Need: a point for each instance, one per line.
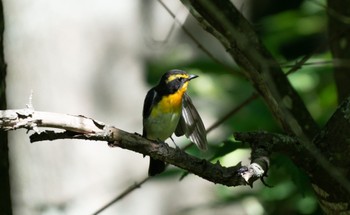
(191, 124)
(149, 102)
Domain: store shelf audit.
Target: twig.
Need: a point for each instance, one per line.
(122, 195)
(199, 45)
(233, 111)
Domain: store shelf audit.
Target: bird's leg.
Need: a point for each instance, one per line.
(159, 141)
(164, 143)
(174, 142)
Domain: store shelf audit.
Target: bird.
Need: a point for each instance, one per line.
(168, 109)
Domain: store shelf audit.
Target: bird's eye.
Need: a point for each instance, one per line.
(181, 79)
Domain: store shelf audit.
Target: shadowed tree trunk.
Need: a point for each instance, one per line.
(339, 31)
(5, 195)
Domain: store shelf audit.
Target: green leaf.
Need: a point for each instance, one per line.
(226, 147)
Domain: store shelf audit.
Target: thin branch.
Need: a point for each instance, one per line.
(189, 34)
(320, 63)
(333, 13)
(233, 111)
(194, 39)
(122, 195)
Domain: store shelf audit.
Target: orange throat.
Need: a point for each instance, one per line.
(172, 103)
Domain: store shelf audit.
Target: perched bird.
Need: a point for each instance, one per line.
(168, 109)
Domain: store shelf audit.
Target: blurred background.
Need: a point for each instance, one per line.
(99, 58)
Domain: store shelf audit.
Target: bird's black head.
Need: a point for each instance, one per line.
(174, 80)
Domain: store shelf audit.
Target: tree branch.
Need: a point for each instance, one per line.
(222, 19)
(328, 167)
(81, 127)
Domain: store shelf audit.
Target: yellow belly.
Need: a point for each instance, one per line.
(164, 117)
(161, 127)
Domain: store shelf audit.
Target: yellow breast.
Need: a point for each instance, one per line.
(164, 117)
(170, 103)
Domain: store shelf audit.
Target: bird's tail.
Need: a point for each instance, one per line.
(155, 167)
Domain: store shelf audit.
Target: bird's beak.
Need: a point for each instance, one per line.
(192, 77)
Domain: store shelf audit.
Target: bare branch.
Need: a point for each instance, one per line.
(81, 127)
